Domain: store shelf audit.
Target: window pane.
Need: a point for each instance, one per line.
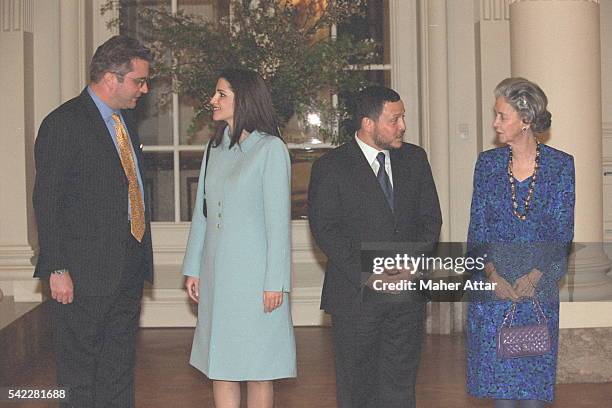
(301, 164)
(190, 171)
(379, 77)
(155, 120)
(202, 131)
(373, 24)
(375, 77)
(128, 14)
(307, 130)
(159, 181)
(211, 10)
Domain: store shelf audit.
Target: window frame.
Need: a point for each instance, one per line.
(170, 237)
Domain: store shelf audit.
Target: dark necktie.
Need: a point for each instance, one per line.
(383, 179)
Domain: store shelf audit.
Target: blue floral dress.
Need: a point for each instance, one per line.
(516, 247)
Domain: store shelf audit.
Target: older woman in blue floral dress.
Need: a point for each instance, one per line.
(522, 222)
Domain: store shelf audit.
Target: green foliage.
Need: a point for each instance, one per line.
(289, 45)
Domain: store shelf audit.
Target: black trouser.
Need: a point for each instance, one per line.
(94, 341)
(377, 353)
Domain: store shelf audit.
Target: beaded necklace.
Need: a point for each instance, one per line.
(532, 183)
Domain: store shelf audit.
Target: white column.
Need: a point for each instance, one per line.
(556, 43)
(98, 24)
(462, 114)
(16, 142)
(404, 29)
(47, 56)
(73, 62)
(435, 103)
(493, 53)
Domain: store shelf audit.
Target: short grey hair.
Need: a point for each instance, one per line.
(528, 99)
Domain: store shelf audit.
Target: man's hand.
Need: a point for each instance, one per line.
(192, 285)
(61, 287)
(272, 300)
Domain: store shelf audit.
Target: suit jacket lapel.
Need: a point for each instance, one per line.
(100, 131)
(366, 177)
(131, 127)
(401, 174)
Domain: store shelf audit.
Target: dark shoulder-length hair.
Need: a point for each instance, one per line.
(253, 109)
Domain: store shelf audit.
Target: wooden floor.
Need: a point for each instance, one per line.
(164, 378)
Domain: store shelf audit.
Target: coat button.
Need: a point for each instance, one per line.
(219, 215)
(218, 226)
(219, 203)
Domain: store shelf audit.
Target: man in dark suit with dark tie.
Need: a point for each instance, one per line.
(374, 189)
(93, 227)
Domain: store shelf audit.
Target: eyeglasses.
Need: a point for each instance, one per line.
(140, 82)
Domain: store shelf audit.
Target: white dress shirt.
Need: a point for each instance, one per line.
(371, 153)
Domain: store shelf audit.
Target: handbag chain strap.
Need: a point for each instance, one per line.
(512, 311)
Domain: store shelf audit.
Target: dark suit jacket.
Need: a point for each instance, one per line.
(347, 208)
(81, 199)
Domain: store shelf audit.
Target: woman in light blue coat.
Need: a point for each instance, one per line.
(238, 259)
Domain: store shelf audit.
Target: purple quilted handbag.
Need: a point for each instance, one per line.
(523, 341)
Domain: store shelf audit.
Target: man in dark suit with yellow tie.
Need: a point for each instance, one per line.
(374, 189)
(93, 227)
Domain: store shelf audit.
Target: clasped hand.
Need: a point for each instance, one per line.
(524, 287)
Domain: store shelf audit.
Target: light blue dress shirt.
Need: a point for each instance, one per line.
(107, 115)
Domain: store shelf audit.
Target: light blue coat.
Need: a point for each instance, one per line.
(240, 250)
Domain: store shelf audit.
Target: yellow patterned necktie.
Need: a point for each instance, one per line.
(127, 161)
